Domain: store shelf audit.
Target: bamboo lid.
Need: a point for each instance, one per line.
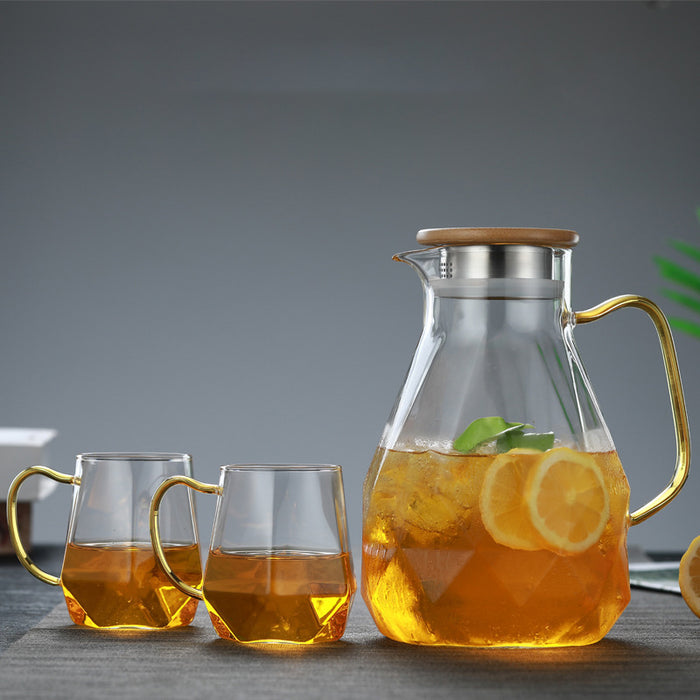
(549, 237)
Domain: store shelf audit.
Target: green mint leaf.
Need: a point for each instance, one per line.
(531, 441)
(484, 430)
(509, 441)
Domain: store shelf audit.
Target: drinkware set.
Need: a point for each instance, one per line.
(278, 568)
(495, 510)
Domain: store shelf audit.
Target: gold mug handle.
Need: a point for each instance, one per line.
(13, 526)
(675, 390)
(153, 518)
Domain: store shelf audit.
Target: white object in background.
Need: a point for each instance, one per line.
(21, 448)
(655, 575)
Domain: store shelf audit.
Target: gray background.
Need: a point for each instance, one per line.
(199, 204)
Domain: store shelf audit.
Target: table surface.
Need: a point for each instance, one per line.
(653, 649)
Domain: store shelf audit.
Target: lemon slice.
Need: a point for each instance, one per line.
(689, 576)
(504, 510)
(568, 500)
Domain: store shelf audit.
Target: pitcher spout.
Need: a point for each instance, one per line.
(424, 261)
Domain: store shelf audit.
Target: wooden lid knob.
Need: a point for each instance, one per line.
(549, 237)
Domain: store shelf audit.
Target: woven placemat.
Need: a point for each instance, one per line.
(652, 649)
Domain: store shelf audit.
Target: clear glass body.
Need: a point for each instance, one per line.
(279, 567)
(110, 577)
(436, 569)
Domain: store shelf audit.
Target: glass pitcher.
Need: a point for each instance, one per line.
(496, 510)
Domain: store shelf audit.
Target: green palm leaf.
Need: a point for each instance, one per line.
(687, 278)
(690, 250)
(682, 324)
(676, 273)
(690, 302)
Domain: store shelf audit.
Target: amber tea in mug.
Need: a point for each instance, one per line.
(279, 566)
(110, 577)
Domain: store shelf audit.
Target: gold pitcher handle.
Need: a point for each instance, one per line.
(675, 390)
(13, 526)
(154, 515)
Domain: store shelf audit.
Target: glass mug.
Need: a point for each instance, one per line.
(109, 577)
(279, 567)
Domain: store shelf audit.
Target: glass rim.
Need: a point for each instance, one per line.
(282, 467)
(134, 457)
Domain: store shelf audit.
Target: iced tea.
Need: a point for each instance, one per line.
(286, 597)
(122, 586)
(432, 573)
